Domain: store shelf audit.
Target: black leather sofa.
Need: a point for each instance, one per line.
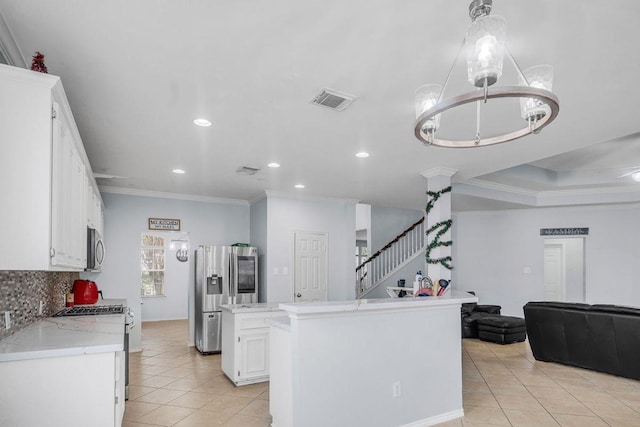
(604, 338)
(471, 312)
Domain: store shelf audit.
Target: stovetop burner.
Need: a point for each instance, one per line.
(90, 310)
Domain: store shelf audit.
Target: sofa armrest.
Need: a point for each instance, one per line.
(492, 309)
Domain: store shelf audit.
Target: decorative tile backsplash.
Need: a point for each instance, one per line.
(22, 291)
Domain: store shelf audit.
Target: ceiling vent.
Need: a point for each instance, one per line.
(333, 99)
(246, 170)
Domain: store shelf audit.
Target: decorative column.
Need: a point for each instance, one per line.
(438, 223)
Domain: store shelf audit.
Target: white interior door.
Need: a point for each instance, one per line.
(554, 280)
(310, 266)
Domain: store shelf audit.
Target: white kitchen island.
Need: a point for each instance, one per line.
(383, 362)
(245, 341)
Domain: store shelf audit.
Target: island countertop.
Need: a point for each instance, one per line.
(251, 308)
(65, 336)
(319, 307)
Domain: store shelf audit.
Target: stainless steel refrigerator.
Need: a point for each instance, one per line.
(224, 275)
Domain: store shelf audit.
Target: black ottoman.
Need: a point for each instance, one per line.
(471, 312)
(501, 329)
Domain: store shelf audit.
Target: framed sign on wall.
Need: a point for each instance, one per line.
(164, 224)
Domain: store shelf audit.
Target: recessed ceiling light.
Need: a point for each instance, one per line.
(274, 165)
(299, 186)
(202, 122)
(178, 171)
(362, 154)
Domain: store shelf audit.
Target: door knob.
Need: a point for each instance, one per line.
(299, 295)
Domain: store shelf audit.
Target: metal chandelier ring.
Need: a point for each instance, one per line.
(543, 95)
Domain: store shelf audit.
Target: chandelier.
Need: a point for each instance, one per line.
(485, 48)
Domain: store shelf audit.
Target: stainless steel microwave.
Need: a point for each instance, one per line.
(95, 250)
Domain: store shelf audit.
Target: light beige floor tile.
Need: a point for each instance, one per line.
(474, 415)
(591, 395)
(203, 418)
(165, 415)
(138, 378)
(578, 421)
(156, 381)
(527, 403)
(245, 421)
(511, 390)
(133, 410)
(565, 406)
(549, 392)
(520, 418)
(480, 399)
(136, 424)
(264, 395)
(613, 408)
(539, 379)
(152, 369)
(192, 400)
(620, 421)
(257, 408)
(184, 384)
(475, 386)
(136, 391)
(160, 396)
(222, 402)
(249, 391)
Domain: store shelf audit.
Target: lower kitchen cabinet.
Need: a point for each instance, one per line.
(245, 342)
(81, 390)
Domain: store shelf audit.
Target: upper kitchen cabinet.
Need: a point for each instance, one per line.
(44, 175)
(94, 209)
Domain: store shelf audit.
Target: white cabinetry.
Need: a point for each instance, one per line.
(71, 391)
(43, 175)
(245, 345)
(94, 209)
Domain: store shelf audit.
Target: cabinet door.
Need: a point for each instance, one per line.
(68, 235)
(254, 354)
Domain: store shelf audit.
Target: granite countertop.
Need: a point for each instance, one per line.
(65, 336)
(251, 308)
(451, 298)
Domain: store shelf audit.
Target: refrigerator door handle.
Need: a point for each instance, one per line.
(232, 276)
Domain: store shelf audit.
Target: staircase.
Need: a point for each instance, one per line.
(393, 256)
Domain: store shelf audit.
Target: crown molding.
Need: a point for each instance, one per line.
(571, 208)
(488, 185)
(438, 171)
(287, 195)
(10, 49)
(174, 196)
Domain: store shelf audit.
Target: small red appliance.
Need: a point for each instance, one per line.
(85, 292)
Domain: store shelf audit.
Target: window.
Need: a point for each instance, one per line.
(152, 256)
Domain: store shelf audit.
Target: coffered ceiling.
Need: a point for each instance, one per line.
(137, 73)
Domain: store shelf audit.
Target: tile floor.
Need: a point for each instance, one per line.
(173, 385)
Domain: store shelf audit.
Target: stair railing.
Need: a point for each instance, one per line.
(399, 251)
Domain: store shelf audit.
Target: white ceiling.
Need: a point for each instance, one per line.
(138, 72)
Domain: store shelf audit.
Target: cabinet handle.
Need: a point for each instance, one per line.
(52, 252)
(299, 295)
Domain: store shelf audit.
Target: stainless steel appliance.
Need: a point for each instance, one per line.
(95, 250)
(224, 275)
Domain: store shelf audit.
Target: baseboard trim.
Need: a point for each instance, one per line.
(431, 421)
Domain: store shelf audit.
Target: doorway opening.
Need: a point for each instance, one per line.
(564, 271)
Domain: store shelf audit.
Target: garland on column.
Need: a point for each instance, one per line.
(442, 227)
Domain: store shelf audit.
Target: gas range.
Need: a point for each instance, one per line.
(90, 310)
